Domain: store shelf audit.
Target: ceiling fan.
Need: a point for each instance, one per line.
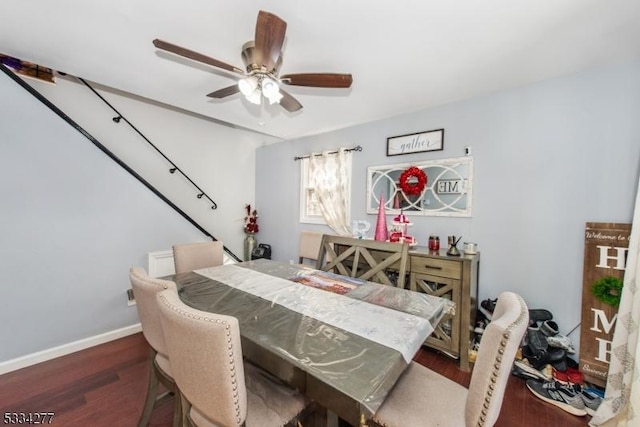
(262, 58)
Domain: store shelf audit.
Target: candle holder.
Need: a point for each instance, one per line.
(453, 242)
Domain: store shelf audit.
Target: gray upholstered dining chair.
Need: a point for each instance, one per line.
(194, 256)
(217, 388)
(423, 398)
(364, 259)
(145, 289)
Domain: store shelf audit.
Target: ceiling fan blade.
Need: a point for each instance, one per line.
(269, 38)
(318, 80)
(224, 92)
(170, 47)
(289, 103)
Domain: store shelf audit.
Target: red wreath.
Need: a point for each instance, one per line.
(413, 188)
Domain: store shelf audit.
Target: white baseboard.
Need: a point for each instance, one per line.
(52, 353)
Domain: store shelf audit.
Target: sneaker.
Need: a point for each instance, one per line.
(522, 370)
(562, 396)
(591, 401)
(479, 329)
(521, 373)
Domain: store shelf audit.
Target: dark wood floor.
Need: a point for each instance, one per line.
(105, 386)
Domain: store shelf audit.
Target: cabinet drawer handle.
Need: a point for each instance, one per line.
(433, 267)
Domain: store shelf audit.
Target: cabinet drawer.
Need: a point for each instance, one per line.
(436, 267)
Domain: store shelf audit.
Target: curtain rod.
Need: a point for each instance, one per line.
(356, 148)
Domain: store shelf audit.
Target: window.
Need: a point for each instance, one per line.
(310, 212)
(325, 190)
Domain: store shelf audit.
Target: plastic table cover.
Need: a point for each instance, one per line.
(343, 351)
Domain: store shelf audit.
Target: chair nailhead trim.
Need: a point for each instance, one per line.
(496, 366)
(232, 367)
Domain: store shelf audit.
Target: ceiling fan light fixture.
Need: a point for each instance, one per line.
(262, 58)
(274, 98)
(255, 97)
(248, 85)
(269, 87)
(271, 90)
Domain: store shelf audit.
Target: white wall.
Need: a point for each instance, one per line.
(218, 158)
(547, 158)
(73, 221)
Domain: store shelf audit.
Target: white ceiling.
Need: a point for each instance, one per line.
(404, 55)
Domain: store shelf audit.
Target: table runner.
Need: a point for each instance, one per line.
(402, 332)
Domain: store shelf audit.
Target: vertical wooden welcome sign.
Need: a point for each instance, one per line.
(605, 254)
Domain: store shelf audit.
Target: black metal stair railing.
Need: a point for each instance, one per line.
(116, 159)
(174, 168)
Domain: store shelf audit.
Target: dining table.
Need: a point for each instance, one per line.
(341, 341)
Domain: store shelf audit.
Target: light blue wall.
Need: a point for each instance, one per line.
(548, 158)
(72, 223)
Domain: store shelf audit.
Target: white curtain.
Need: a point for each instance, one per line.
(621, 406)
(330, 178)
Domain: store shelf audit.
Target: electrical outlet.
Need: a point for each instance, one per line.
(131, 299)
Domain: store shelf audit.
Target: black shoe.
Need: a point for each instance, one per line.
(539, 315)
(536, 341)
(487, 306)
(553, 356)
(549, 328)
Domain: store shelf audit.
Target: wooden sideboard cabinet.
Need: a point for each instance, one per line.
(452, 277)
(455, 278)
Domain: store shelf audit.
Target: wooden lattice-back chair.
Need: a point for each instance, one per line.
(364, 259)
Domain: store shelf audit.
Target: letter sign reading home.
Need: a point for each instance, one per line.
(605, 254)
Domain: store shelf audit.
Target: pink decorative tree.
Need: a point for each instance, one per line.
(396, 201)
(382, 233)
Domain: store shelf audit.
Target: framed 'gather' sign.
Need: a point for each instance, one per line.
(432, 140)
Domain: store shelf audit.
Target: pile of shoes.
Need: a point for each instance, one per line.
(543, 345)
(544, 362)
